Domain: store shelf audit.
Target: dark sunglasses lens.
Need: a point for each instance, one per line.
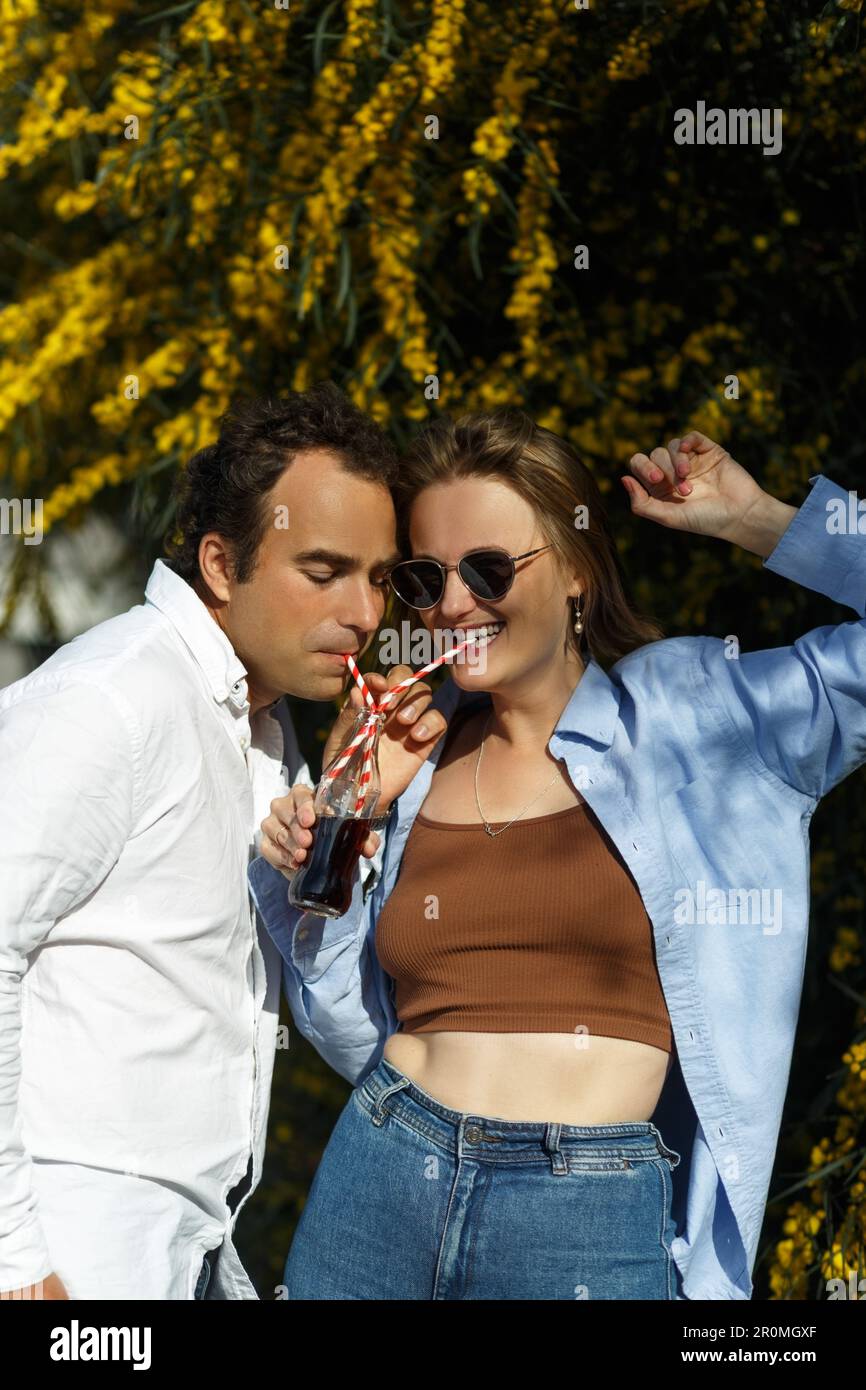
(417, 582)
(487, 573)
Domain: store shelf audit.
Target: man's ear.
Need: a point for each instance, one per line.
(215, 565)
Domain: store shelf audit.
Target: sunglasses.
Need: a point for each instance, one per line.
(488, 574)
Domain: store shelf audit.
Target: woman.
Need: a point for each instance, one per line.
(501, 1143)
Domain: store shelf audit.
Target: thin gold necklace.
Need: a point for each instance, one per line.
(556, 777)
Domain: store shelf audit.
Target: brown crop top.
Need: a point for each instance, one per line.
(539, 930)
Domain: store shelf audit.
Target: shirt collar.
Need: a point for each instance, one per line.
(591, 712)
(204, 638)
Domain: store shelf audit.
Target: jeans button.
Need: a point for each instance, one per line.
(473, 1134)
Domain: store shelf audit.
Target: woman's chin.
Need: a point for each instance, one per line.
(470, 675)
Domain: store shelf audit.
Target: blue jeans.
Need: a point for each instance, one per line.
(205, 1275)
(415, 1201)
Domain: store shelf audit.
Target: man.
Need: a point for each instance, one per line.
(138, 996)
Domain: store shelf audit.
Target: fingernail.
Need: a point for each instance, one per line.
(421, 730)
(409, 712)
(656, 475)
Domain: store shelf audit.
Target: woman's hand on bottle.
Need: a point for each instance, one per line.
(287, 833)
(409, 735)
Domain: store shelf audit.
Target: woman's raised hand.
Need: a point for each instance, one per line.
(693, 485)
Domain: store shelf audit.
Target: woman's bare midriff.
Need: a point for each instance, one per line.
(534, 1076)
(537, 1077)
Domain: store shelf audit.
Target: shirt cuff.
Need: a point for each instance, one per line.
(24, 1258)
(820, 549)
(270, 891)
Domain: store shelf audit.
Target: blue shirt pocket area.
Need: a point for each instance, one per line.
(714, 833)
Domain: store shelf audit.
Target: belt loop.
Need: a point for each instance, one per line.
(670, 1154)
(380, 1113)
(558, 1161)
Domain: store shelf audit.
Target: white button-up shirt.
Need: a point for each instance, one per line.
(138, 994)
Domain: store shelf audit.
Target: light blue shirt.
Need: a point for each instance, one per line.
(704, 766)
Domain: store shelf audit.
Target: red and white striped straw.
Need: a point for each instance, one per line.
(367, 733)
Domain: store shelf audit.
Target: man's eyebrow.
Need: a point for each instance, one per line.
(339, 560)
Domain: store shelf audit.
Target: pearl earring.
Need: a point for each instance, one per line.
(578, 621)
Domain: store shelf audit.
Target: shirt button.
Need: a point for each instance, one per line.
(245, 743)
(302, 933)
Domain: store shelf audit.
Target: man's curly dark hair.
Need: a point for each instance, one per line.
(223, 487)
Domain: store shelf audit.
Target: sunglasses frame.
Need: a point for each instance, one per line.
(445, 569)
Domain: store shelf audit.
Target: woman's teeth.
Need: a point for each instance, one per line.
(483, 636)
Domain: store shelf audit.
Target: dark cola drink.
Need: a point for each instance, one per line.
(344, 803)
(323, 884)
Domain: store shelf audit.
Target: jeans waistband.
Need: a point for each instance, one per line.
(390, 1091)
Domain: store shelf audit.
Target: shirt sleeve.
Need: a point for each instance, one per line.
(802, 708)
(303, 778)
(337, 992)
(66, 810)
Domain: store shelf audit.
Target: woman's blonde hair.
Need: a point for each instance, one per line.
(542, 468)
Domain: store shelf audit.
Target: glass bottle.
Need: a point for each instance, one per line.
(323, 884)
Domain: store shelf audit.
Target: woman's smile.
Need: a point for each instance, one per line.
(484, 636)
